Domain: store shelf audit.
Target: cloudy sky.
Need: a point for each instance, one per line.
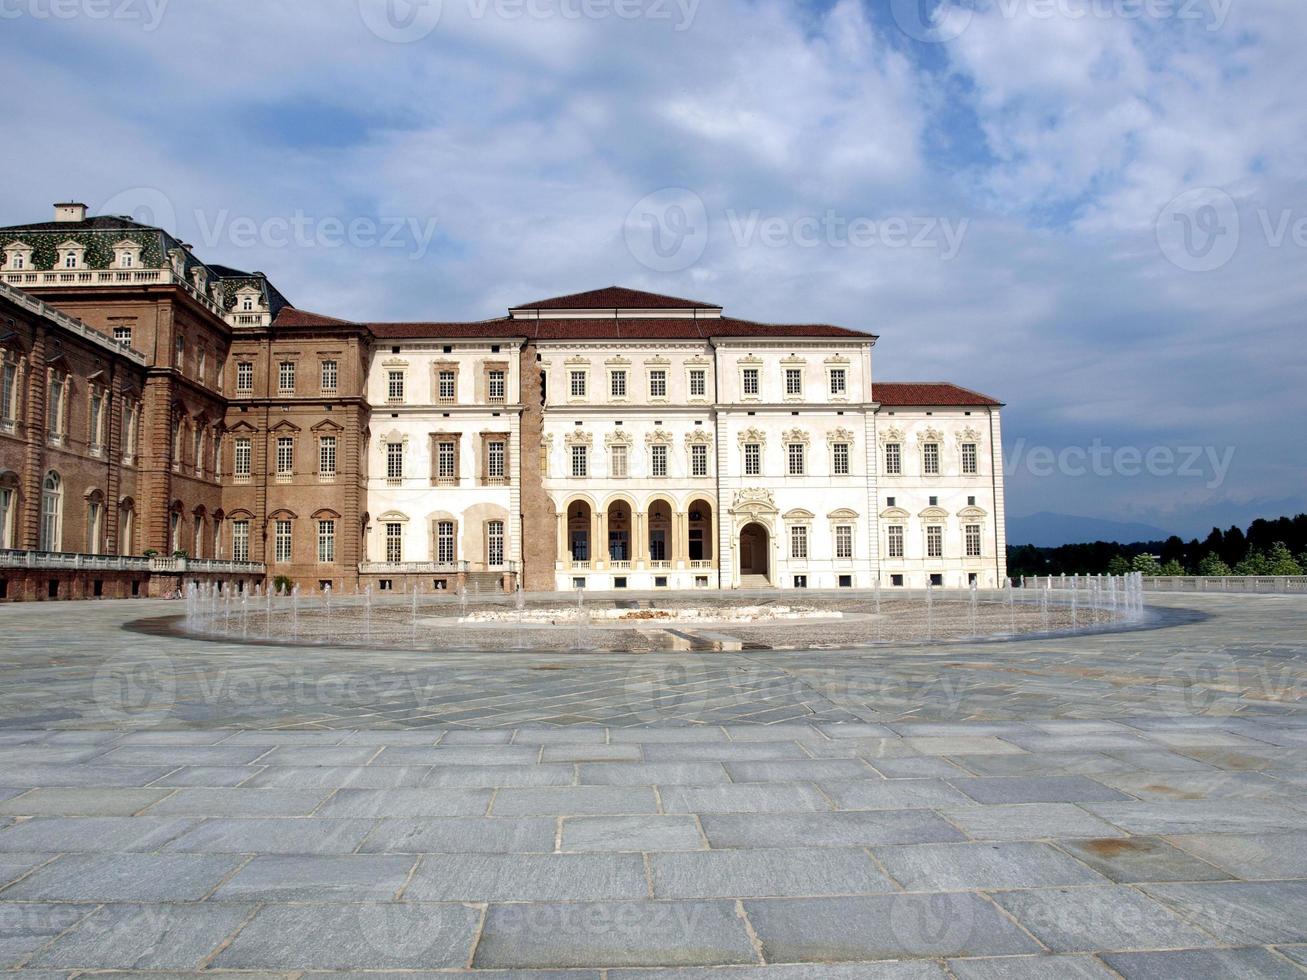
(1094, 210)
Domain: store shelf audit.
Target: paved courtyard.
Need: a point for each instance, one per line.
(1128, 804)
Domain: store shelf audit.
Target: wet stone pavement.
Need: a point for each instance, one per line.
(1130, 804)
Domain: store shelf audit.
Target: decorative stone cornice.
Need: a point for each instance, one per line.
(579, 438)
(968, 435)
(699, 437)
(891, 435)
(753, 435)
(929, 435)
(839, 435)
(753, 501)
(658, 437)
(795, 436)
(618, 438)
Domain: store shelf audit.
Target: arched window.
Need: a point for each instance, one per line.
(52, 496)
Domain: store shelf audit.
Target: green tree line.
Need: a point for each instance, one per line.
(1277, 547)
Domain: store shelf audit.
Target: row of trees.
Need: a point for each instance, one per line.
(1276, 547)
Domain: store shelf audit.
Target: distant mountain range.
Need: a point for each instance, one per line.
(1048, 530)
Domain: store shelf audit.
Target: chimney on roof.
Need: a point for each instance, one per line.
(69, 212)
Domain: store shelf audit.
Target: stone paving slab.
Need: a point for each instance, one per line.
(1068, 920)
(1131, 859)
(762, 872)
(125, 878)
(970, 867)
(528, 878)
(318, 878)
(1028, 821)
(144, 937)
(409, 936)
(638, 834)
(94, 834)
(645, 933)
(1240, 912)
(1204, 964)
(1064, 967)
(883, 927)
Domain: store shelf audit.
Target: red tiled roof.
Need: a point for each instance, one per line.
(616, 298)
(291, 317)
(605, 328)
(909, 394)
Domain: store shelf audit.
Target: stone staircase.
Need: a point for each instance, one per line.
(754, 582)
(485, 583)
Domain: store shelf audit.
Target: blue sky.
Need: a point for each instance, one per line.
(1094, 210)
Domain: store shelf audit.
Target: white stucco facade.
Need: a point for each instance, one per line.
(677, 449)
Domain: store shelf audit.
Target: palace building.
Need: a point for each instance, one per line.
(166, 420)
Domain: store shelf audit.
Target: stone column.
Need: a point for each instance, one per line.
(564, 547)
(599, 547)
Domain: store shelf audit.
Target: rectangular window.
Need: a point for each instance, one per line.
(244, 377)
(840, 458)
(799, 542)
(55, 409)
(123, 335)
(394, 461)
(496, 385)
(657, 384)
(934, 541)
(895, 532)
(281, 540)
(326, 542)
(619, 462)
(129, 433)
(446, 387)
(445, 542)
(330, 376)
(9, 393)
(795, 453)
(698, 383)
(844, 541)
(495, 544)
(973, 540)
(394, 543)
(496, 453)
(579, 461)
(395, 386)
(577, 384)
(752, 459)
(839, 382)
(893, 458)
(698, 460)
(617, 384)
(930, 458)
(243, 451)
(97, 421)
(285, 455)
(657, 460)
(327, 456)
(969, 458)
(286, 376)
(446, 460)
(240, 540)
(751, 381)
(793, 382)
